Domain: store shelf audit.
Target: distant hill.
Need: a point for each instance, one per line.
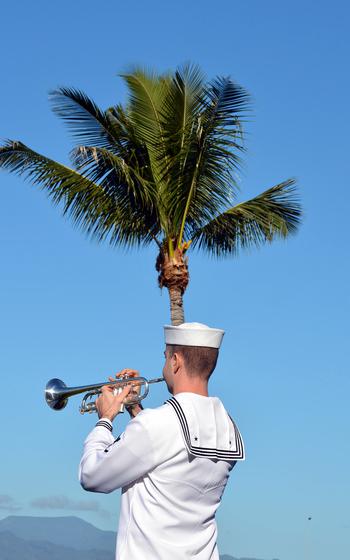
(58, 538)
(228, 557)
(14, 548)
(71, 532)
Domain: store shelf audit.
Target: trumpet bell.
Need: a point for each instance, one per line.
(55, 394)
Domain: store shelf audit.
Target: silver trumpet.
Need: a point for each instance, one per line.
(57, 393)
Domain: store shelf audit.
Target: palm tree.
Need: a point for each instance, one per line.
(161, 169)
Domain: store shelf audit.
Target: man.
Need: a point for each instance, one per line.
(171, 462)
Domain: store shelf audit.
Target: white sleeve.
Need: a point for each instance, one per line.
(108, 464)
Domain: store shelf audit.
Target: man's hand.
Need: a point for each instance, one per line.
(135, 408)
(108, 405)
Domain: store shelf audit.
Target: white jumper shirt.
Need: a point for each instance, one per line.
(172, 464)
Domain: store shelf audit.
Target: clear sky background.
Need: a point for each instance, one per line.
(79, 311)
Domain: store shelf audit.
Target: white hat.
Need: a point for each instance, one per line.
(193, 334)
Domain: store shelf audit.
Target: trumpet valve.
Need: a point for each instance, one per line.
(117, 391)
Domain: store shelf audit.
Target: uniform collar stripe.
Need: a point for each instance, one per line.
(210, 453)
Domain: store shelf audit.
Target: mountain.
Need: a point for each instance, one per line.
(57, 538)
(228, 557)
(14, 548)
(71, 532)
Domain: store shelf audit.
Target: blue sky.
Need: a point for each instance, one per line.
(76, 310)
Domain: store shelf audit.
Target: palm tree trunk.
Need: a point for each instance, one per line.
(173, 274)
(176, 305)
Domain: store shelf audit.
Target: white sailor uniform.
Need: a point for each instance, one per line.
(172, 464)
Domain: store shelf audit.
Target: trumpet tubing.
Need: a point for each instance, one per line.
(57, 393)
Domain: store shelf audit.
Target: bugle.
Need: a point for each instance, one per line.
(57, 393)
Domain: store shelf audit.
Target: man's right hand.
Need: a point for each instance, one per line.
(135, 408)
(109, 405)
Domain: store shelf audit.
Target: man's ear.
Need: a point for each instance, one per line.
(176, 361)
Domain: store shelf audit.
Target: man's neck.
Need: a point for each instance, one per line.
(198, 388)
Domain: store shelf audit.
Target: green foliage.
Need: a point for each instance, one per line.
(274, 213)
(162, 168)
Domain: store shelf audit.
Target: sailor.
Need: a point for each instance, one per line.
(172, 462)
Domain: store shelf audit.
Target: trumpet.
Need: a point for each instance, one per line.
(57, 393)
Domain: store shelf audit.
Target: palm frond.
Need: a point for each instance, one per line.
(88, 123)
(147, 91)
(205, 183)
(99, 211)
(224, 105)
(137, 196)
(146, 96)
(98, 163)
(110, 130)
(180, 107)
(274, 213)
(179, 114)
(165, 164)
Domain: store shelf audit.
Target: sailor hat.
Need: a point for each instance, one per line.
(193, 334)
